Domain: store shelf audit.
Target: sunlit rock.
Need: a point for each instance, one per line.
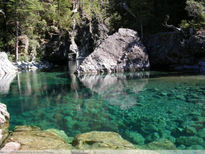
(11, 146)
(122, 51)
(101, 140)
(32, 138)
(5, 65)
(4, 122)
(5, 82)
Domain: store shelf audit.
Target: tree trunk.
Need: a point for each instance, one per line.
(73, 46)
(17, 41)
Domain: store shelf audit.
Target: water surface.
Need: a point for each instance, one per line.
(142, 107)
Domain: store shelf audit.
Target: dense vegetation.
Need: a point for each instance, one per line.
(34, 28)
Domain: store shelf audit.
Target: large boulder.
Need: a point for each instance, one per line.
(122, 51)
(5, 65)
(33, 138)
(4, 123)
(101, 140)
(175, 51)
(196, 44)
(165, 49)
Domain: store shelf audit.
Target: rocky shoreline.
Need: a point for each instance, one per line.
(32, 66)
(7, 67)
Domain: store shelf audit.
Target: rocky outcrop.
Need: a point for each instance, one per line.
(32, 138)
(101, 140)
(196, 44)
(5, 65)
(122, 51)
(165, 49)
(5, 82)
(4, 123)
(32, 66)
(175, 51)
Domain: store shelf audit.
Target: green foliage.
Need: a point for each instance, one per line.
(37, 17)
(196, 10)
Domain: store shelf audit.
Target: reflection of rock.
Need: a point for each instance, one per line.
(5, 81)
(4, 122)
(116, 88)
(32, 138)
(101, 140)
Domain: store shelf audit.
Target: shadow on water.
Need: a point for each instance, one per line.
(143, 107)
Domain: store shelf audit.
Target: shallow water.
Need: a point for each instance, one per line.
(142, 107)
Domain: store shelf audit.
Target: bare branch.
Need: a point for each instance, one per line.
(171, 26)
(1, 12)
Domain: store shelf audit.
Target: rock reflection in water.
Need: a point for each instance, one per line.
(5, 82)
(115, 88)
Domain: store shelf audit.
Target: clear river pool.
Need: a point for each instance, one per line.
(142, 107)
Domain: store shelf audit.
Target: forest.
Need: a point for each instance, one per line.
(47, 29)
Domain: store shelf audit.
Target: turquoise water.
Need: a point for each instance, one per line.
(142, 107)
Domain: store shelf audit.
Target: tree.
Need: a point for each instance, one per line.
(196, 10)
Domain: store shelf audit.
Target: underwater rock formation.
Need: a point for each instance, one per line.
(4, 122)
(162, 144)
(33, 138)
(101, 140)
(122, 51)
(5, 65)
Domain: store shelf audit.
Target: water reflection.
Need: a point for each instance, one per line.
(115, 88)
(5, 82)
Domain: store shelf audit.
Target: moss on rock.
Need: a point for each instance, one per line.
(101, 140)
(32, 138)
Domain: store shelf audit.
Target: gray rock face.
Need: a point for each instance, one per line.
(5, 65)
(173, 50)
(165, 49)
(122, 51)
(5, 82)
(4, 122)
(31, 66)
(196, 44)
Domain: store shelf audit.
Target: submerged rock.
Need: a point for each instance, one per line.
(122, 51)
(190, 140)
(162, 144)
(6, 66)
(101, 140)
(32, 138)
(4, 122)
